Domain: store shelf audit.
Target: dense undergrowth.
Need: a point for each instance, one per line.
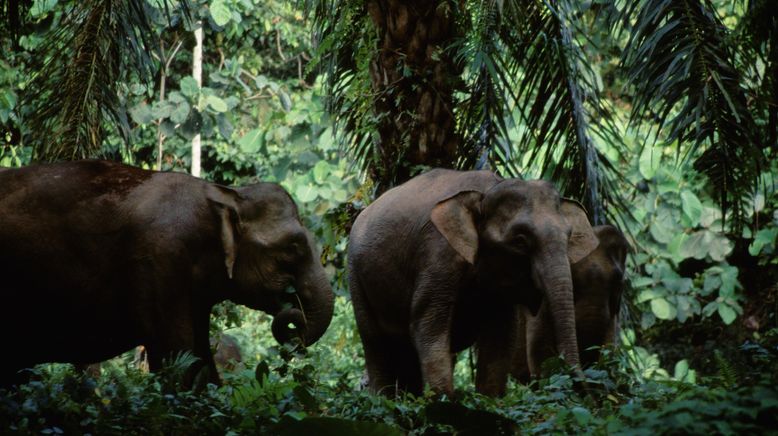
(317, 391)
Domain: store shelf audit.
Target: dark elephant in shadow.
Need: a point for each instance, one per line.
(98, 257)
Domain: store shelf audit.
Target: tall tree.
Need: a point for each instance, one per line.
(522, 66)
(486, 58)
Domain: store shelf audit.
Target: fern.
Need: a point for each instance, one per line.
(726, 372)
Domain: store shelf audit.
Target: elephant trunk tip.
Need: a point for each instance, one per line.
(288, 325)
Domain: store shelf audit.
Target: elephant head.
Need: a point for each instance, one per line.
(599, 280)
(521, 237)
(266, 250)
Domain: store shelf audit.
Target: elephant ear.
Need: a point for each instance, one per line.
(582, 238)
(616, 247)
(455, 219)
(224, 204)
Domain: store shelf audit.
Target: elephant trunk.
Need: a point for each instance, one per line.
(551, 271)
(310, 319)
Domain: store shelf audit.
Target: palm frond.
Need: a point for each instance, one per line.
(757, 34)
(345, 45)
(680, 63)
(559, 105)
(484, 112)
(98, 44)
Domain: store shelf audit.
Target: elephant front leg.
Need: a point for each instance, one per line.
(431, 331)
(435, 358)
(496, 351)
(184, 335)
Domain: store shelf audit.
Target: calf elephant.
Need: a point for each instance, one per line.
(597, 284)
(440, 263)
(98, 257)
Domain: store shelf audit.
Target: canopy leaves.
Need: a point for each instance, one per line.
(681, 63)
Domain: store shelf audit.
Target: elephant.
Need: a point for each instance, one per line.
(443, 261)
(598, 281)
(98, 257)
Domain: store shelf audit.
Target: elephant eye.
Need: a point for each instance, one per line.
(521, 239)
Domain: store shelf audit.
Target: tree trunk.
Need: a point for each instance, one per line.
(414, 81)
(197, 73)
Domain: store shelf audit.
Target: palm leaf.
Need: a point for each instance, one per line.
(98, 44)
(679, 61)
(757, 35)
(562, 114)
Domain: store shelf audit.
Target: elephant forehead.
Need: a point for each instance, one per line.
(517, 194)
(267, 201)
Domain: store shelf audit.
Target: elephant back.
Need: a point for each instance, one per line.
(410, 204)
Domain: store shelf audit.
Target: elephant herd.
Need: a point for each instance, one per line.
(98, 257)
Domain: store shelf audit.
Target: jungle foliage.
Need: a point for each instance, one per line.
(662, 116)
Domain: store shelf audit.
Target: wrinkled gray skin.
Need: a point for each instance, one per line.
(442, 261)
(598, 281)
(97, 257)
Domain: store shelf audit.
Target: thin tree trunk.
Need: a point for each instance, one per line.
(197, 72)
(414, 80)
(162, 80)
(164, 67)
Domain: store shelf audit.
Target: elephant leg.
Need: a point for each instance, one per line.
(391, 361)
(392, 366)
(496, 347)
(180, 335)
(431, 323)
(540, 340)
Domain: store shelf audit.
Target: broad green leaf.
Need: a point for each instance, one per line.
(180, 113)
(320, 171)
(681, 369)
(663, 309)
(709, 216)
(678, 284)
(8, 99)
(216, 103)
(674, 247)
(220, 12)
(305, 193)
(763, 238)
(642, 281)
(729, 281)
(727, 314)
(692, 207)
(141, 114)
(664, 227)
(582, 415)
(251, 141)
(648, 294)
(286, 101)
(225, 126)
(696, 245)
(649, 161)
(719, 247)
(162, 109)
(712, 282)
(189, 87)
(339, 195)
